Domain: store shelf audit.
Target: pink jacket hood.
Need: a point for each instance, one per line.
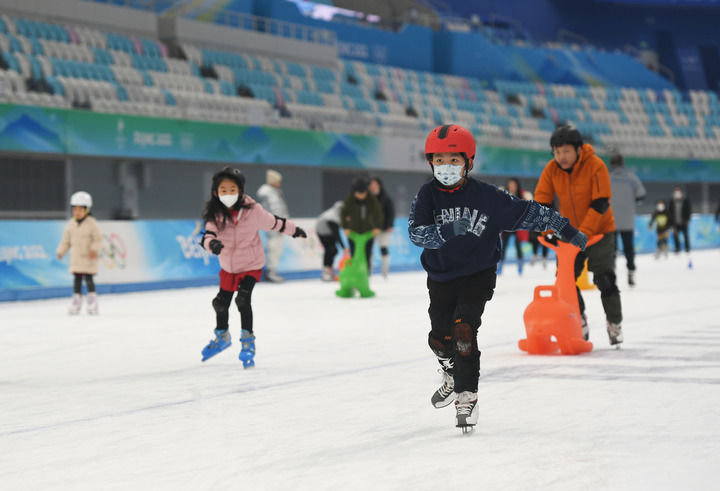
(243, 249)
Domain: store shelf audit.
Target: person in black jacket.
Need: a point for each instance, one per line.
(376, 187)
(361, 212)
(680, 211)
(457, 220)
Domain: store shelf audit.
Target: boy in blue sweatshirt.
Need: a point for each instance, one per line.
(457, 220)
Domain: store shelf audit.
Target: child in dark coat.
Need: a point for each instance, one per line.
(457, 220)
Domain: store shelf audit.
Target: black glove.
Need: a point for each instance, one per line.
(461, 226)
(216, 246)
(299, 233)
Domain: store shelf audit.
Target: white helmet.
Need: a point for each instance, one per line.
(81, 198)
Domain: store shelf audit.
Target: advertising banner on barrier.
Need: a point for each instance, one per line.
(147, 254)
(73, 132)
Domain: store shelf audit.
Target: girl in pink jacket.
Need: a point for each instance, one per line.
(232, 221)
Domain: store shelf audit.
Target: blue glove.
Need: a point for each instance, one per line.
(461, 226)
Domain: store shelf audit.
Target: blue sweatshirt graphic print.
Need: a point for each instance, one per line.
(490, 210)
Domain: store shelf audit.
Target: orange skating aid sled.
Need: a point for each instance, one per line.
(552, 320)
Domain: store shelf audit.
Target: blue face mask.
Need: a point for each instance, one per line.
(448, 175)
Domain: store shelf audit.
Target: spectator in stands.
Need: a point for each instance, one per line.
(328, 231)
(271, 198)
(388, 209)
(627, 191)
(519, 236)
(680, 211)
(581, 182)
(361, 212)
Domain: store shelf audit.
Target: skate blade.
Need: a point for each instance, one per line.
(205, 358)
(466, 429)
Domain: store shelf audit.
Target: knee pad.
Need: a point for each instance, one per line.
(244, 291)
(606, 283)
(464, 339)
(470, 313)
(441, 347)
(384, 251)
(221, 302)
(242, 299)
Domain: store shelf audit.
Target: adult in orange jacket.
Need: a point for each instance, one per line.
(581, 182)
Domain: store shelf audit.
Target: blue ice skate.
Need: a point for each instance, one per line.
(247, 353)
(221, 342)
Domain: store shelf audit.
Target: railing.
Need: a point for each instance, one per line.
(271, 26)
(657, 66)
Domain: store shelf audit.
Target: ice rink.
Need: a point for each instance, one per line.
(340, 396)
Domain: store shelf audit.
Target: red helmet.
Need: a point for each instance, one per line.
(451, 138)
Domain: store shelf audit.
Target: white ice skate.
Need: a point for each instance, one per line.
(444, 395)
(327, 274)
(92, 304)
(615, 334)
(76, 304)
(466, 408)
(385, 266)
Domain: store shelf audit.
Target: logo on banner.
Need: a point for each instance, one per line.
(191, 248)
(114, 252)
(31, 252)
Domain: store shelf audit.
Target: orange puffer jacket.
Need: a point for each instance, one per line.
(588, 181)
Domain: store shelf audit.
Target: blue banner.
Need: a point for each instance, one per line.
(152, 254)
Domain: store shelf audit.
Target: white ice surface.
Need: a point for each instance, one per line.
(340, 397)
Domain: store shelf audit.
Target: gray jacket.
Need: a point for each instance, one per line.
(627, 190)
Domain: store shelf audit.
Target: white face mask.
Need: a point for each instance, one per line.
(228, 199)
(448, 174)
(677, 195)
(660, 207)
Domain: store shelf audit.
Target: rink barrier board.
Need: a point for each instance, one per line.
(163, 254)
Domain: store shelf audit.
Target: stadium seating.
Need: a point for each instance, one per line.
(56, 65)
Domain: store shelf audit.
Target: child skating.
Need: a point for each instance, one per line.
(457, 220)
(232, 221)
(83, 238)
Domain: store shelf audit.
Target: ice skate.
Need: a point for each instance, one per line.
(520, 267)
(533, 260)
(273, 277)
(615, 334)
(385, 266)
(631, 278)
(466, 409)
(444, 396)
(327, 274)
(92, 304)
(247, 351)
(221, 342)
(585, 328)
(75, 305)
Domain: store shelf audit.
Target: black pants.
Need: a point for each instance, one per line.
(518, 249)
(536, 244)
(368, 252)
(328, 242)
(677, 230)
(601, 263)
(221, 304)
(456, 308)
(78, 279)
(628, 244)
